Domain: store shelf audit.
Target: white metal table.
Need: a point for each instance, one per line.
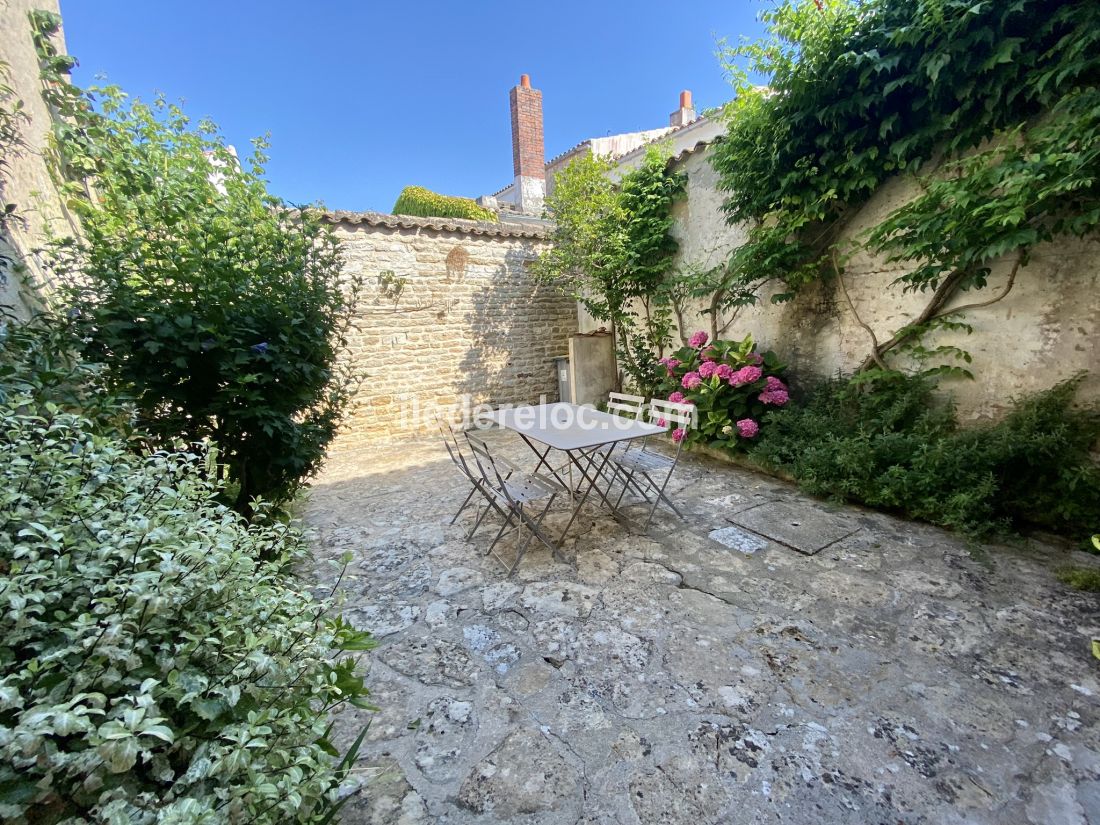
(579, 432)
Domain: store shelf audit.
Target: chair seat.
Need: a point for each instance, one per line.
(527, 488)
(642, 460)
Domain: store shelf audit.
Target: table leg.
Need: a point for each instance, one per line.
(593, 481)
(541, 455)
(587, 490)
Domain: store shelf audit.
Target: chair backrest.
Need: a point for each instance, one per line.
(454, 450)
(625, 404)
(484, 459)
(674, 413)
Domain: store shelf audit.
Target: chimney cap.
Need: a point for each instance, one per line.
(525, 81)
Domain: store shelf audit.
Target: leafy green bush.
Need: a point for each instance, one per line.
(155, 668)
(217, 309)
(416, 200)
(893, 444)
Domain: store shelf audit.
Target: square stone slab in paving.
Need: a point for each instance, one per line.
(737, 539)
(802, 527)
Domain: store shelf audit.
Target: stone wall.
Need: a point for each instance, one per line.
(450, 316)
(1046, 329)
(26, 180)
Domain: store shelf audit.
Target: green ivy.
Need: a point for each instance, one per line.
(859, 91)
(416, 200)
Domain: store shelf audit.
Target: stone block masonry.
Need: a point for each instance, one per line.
(450, 315)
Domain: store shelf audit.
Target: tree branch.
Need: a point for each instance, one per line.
(876, 353)
(940, 297)
(1004, 292)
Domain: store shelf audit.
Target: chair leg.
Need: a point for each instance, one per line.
(480, 517)
(507, 523)
(465, 504)
(657, 499)
(628, 480)
(533, 531)
(673, 507)
(652, 510)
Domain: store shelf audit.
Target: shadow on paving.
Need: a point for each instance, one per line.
(889, 677)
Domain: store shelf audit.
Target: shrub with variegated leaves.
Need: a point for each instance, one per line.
(157, 664)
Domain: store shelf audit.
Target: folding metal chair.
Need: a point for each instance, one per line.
(518, 495)
(472, 475)
(620, 403)
(628, 406)
(647, 471)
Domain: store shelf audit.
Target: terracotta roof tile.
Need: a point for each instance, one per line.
(690, 150)
(504, 229)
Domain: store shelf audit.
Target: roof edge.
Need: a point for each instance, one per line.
(505, 229)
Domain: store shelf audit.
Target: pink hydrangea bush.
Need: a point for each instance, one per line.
(731, 385)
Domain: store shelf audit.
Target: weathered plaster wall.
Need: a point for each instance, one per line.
(1046, 329)
(470, 324)
(26, 181)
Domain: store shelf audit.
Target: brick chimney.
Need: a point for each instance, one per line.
(528, 154)
(685, 114)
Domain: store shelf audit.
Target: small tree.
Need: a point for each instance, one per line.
(612, 248)
(218, 309)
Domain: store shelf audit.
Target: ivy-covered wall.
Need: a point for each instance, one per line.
(1046, 329)
(25, 180)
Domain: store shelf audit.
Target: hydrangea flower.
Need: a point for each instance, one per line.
(775, 384)
(669, 363)
(678, 434)
(707, 369)
(755, 358)
(747, 428)
(776, 397)
(677, 398)
(727, 430)
(691, 381)
(698, 340)
(745, 375)
(724, 372)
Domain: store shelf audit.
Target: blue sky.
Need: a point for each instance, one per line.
(363, 98)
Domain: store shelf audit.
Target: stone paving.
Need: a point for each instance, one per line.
(852, 668)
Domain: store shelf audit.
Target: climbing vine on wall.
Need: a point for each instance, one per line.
(993, 106)
(11, 143)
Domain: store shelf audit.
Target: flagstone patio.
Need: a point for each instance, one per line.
(773, 659)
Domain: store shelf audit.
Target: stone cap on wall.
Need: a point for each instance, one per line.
(505, 229)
